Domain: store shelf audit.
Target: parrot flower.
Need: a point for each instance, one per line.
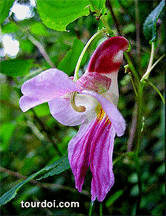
(91, 101)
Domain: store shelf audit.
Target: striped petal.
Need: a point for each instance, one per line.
(79, 152)
(101, 162)
(93, 145)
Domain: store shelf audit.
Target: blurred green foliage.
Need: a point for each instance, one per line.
(26, 139)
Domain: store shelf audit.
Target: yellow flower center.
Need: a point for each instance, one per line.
(101, 114)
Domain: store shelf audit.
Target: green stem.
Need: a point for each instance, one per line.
(108, 29)
(138, 170)
(137, 23)
(133, 70)
(151, 56)
(146, 75)
(101, 208)
(139, 133)
(113, 17)
(156, 89)
(102, 18)
(127, 154)
(150, 63)
(91, 207)
(76, 73)
(131, 67)
(135, 90)
(139, 115)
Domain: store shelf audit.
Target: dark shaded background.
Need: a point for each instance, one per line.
(25, 147)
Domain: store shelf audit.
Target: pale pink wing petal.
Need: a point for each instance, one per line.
(101, 163)
(108, 57)
(112, 112)
(63, 112)
(27, 103)
(44, 87)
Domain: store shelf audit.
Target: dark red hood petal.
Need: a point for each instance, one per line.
(104, 58)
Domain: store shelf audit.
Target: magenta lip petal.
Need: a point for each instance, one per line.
(44, 87)
(78, 153)
(103, 59)
(101, 161)
(93, 145)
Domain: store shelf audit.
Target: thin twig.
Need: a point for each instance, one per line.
(9, 104)
(41, 49)
(48, 133)
(151, 57)
(146, 75)
(113, 16)
(76, 72)
(156, 89)
(43, 185)
(132, 129)
(137, 33)
(17, 175)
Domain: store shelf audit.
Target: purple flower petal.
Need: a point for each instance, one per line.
(112, 112)
(78, 153)
(107, 58)
(28, 102)
(93, 145)
(44, 87)
(101, 163)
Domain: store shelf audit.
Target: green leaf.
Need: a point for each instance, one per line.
(69, 62)
(114, 197)
(149, 26)
(38, 28)
(57, 14)
(42, 110)
(5, 6)
(16, 67)
(7, 129)
(128, 28)
(58, 167)
(10, 28)
(63, 164)
(26, 46)
(97, 5)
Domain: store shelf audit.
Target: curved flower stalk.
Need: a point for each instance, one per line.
(90, 102)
